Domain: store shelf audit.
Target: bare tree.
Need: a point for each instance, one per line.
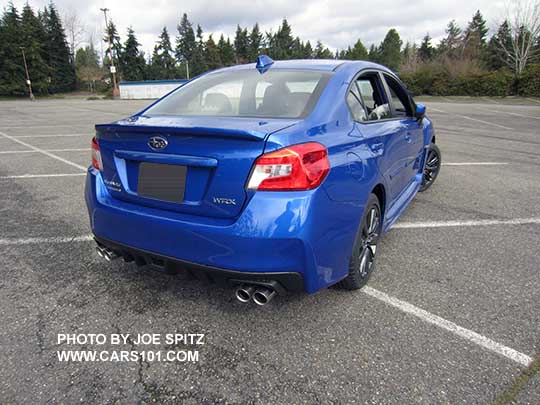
(523, 17)
(75, 29)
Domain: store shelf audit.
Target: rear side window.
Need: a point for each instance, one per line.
(356, 106)
(246, 93)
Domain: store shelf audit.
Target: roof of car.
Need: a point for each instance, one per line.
(310, 64)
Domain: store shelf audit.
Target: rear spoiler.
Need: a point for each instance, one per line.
(183, 130)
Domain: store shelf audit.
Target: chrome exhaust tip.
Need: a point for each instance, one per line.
(244, 293)
(109, 255)
(263, 296)
(99, 251)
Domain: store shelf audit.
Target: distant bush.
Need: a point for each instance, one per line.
(436, 80)
(528, 84)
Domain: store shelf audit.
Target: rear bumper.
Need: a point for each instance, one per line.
(280, 281)
(293, 238)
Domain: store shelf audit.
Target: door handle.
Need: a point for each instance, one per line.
(408, 137)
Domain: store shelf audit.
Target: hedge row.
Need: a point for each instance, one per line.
(437, 81)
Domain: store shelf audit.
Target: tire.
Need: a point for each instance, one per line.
(362, 262)
(431, 168)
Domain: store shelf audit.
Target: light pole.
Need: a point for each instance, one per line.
(116, 92)
(28, 82)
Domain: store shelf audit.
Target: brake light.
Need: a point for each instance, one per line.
(297, 167)
(96, 155)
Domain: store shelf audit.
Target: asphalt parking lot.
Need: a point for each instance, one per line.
(452, 314)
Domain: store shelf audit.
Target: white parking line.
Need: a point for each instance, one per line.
(52, 136)
(42, 126)
(37, 176)
(8, 152)
(61, 159)
(30, 241)
(477, 222)
(472, 119)
(475, 164)
(442, 323)
(510, 113)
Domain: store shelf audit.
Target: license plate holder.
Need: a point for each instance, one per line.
(162, 182)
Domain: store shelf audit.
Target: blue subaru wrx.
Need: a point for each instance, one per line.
(269, 177)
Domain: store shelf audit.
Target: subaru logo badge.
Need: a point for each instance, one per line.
(157, 143)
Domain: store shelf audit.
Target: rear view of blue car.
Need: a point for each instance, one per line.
(271, 178)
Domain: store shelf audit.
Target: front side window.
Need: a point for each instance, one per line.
(246, 93)
(400, 98)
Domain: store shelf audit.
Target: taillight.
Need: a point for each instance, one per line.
(297, 167)
(96, 155)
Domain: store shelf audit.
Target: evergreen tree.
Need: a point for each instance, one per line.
(474, 37)
(185, 44)
(198, 63)
(390, 51)
(12, 76)
(87, 66)
(226, 51)
(255, 43)
(451, 44)
(113, 55)
(496, 58)
(132, 61)
(374, 54)
(281, 43)
(33, 37)
(357, 52)
(211, 54)
(297, 50)
(321, 52)
(241, 45)
(308, 50)
(61, 67)
(162, 65)
(425, 52)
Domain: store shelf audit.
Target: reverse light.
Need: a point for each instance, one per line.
(96, 155)
(298, 167)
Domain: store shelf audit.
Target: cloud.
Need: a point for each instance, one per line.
(337, 23)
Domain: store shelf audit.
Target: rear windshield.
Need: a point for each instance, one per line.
(246, 93)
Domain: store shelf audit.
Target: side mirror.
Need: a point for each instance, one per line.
(420, 111)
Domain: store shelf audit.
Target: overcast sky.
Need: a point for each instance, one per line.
(336, 23)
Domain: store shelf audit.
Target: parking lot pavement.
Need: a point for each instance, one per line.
(450, 316)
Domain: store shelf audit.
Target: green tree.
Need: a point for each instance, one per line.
(280, 45)
(113, 54)
(241, 45)
(390, 51)
(321, 52)
(474, 37)
(374, 53)
(426, 51)
(33, 37)
(226, 51)
(163, 64)
(211, 54)
(61, 67)
(451, 44)
(357, 52)
(87, 66)
(12, 76)
(185, 44)
(132, 61)
(255, 43)
(198, 63)
(308, 50)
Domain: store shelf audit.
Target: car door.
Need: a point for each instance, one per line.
(402, 110)
(389, 132)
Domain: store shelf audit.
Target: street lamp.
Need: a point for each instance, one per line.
(28, 82)
(116, 92)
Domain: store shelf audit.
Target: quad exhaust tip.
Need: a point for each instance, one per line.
(259, 295)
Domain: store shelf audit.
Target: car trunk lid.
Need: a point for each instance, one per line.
(194, 165)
